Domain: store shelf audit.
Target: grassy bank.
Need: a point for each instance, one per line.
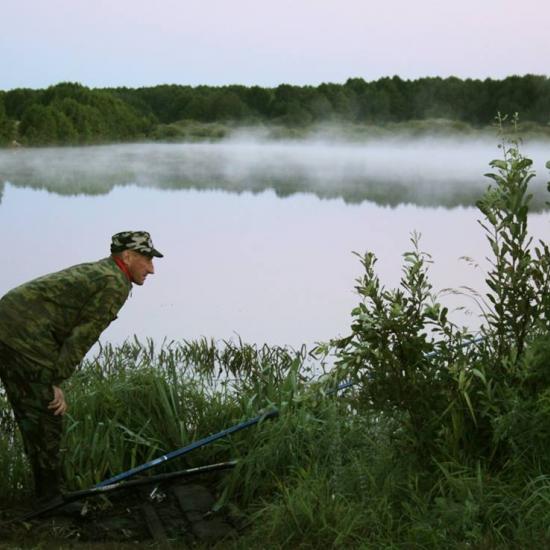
(328, 472)
(193, 131)
(340, 131)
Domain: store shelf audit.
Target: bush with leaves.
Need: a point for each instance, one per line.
(401, 350)
(453, 399)
(509, 381)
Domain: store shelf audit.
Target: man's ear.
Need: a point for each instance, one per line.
(125, 256)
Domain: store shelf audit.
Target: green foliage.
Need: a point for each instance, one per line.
(318, 475)
(38, 126)
(122, 114)
(388, 352)
(510, 385)
(383, 101)
(17, 101)
(73, 114)
(189, 131)
(518, 280)
(177, 394)
(6, 126)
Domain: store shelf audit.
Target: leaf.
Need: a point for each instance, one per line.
(497, 163)
(480, 375)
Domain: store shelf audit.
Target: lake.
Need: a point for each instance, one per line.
(257, 235)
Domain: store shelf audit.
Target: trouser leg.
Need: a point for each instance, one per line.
(40, 429)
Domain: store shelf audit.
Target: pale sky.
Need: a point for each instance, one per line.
(215, 42)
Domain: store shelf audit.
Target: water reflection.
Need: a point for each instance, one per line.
(424, 172)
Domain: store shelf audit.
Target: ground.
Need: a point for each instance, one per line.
(153, 516)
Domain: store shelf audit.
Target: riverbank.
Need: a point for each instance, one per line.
(191, 131)
(339, 132)
(326, 472)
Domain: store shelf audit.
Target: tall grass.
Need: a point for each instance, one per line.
(135, 402)
(325, 473)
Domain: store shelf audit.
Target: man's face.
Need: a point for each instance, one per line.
(139, 266)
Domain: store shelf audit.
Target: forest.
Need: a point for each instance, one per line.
(73, 114)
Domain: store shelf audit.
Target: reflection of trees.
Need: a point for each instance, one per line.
(1, 190)
(385, 193)
(86, 171)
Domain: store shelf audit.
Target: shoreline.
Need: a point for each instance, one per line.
(189, 131)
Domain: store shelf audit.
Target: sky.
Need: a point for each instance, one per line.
(136, 43)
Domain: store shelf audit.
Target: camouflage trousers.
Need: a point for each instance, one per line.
(29, 395)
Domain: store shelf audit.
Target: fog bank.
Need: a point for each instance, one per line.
(390, 171)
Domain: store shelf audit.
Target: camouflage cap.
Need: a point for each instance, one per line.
(140, 241)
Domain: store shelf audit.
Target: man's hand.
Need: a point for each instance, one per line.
(58, 405)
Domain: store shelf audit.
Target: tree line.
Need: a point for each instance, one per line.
(70, 113)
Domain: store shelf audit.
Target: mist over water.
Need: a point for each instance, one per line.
(388, 171)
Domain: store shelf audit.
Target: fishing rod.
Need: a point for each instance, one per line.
(273, 413)
(118, 482)
(188, 448)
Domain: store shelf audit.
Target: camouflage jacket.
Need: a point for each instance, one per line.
(55, 319)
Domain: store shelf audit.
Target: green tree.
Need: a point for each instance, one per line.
(38, 126)
(120, 114)
(197, 109)
(259, 100)
(471, 404)
(66, 132)
(319, 106)
(226, 105)
(18, 100)
(6, 125)
(343, 100)
(82, 119)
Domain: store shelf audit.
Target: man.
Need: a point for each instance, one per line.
(46, 328)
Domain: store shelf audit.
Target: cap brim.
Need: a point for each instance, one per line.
(156, 253)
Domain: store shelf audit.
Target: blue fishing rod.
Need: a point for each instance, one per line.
(188, 448)
(273, 413)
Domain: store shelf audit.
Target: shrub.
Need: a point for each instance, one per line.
(452, 399)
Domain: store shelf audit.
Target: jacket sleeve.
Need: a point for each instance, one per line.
(95, 317)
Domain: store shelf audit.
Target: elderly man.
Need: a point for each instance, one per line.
(46, 328)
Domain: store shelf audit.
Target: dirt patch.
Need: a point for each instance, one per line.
(179, 513)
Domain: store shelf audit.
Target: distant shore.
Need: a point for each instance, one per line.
(72, 114)
(190, 131)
